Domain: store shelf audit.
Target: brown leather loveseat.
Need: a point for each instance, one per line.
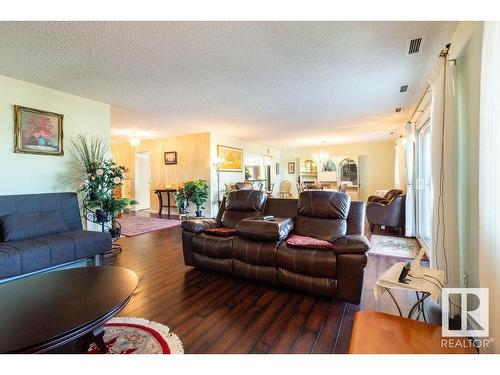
(239, 242)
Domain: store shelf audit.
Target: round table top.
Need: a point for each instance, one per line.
(45, 308)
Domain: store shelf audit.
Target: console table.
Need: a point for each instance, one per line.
(158, 193)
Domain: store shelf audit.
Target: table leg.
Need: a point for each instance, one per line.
(99, 340)
(419, 302)
(168, 204)
(395, 302)
(160, 201)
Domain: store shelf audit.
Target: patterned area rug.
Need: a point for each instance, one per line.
(135, 225)
(138, 336)
(397, 247)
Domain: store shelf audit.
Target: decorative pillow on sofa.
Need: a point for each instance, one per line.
(222, 232)
(308, 242)
(17, 227)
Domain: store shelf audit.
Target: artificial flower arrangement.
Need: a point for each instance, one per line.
(100, 175)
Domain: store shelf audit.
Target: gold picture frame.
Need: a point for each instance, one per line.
(38, 132)
(232, 158)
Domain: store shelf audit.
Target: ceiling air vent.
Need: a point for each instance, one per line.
(403, 88)
(414, 46)
(397, 110)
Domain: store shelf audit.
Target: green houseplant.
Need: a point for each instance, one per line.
(181, 200)
(197, 193)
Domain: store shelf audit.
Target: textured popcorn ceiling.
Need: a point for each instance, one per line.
(285, 84)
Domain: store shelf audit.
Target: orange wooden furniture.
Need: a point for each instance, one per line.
(379, 333)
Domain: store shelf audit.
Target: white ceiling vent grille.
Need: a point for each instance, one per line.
(414, 46)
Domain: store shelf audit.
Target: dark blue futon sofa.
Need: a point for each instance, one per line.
(41, 231)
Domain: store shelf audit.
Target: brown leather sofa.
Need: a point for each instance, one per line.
(258, 249)
(387, 212)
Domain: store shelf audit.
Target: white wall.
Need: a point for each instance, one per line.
(466, 48)
(226, 177)
(25, 173)
(376, 164)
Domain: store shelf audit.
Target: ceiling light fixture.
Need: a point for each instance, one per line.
(134, 142)
(403, 88)
(397, 110)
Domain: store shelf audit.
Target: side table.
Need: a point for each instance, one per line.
(158, 193)
(427, 283)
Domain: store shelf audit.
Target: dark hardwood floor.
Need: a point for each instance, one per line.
(214, 313)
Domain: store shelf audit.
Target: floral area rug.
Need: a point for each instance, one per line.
(138, 336)
(397, 247)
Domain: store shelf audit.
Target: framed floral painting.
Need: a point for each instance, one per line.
(38, 132)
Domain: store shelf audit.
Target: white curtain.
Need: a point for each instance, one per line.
(400, 164)
(444, 237)
(489, 176)
(409, 156)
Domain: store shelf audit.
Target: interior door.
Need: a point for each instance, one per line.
(142, 180)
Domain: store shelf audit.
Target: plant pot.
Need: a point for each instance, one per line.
(199, 213)
(102, 216)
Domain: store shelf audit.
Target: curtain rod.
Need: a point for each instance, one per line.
(443, 53)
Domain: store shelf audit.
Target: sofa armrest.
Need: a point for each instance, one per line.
(351, 244)
(265, 230)
(199, 225)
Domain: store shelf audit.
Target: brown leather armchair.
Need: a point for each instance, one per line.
(387, 213)
(386, 198)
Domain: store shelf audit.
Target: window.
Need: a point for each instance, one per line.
(424, 193)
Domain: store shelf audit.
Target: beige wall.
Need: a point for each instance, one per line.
(376, 164)
(25, 173)
(193, 161)
(247, 147)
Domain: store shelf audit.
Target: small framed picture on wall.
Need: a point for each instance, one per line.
(170, 157)
(291, 167)
(277, 168)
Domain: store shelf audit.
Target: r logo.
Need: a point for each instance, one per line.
(473, 307)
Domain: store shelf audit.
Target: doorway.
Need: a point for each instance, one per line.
(142, 180)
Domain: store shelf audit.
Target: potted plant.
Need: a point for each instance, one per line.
(98, 176)
(113, 207)
(181, 201)
(197, 193)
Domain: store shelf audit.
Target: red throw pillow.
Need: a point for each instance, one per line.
(308, 242)
(223, 232)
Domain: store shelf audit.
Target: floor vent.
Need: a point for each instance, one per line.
(414, 46)
(403, 88)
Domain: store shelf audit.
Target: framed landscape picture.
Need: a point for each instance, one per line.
(38, 132)
(232, 158)
(170, 157)
(291, 167)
